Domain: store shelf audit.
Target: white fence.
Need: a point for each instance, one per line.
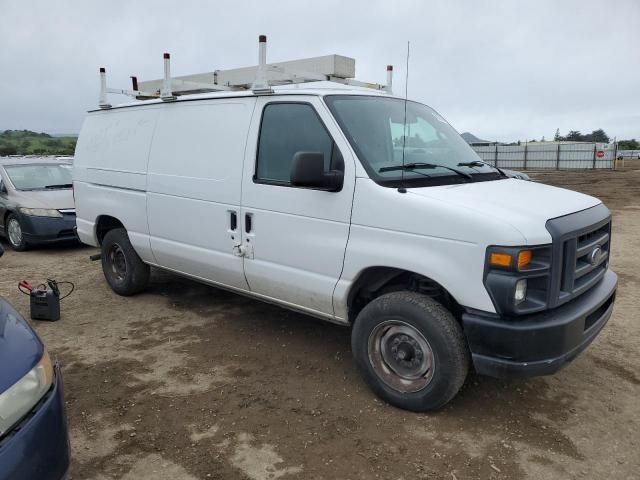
(628, 154)
(558, 156)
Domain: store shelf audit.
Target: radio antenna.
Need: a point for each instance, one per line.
(404, 126)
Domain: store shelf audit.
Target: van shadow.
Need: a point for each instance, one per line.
(242, 311)
(487, 410)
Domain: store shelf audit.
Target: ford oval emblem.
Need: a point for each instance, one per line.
(596, 255)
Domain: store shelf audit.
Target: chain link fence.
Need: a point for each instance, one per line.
(552, 155)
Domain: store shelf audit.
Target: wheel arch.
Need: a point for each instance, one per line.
(374, 281)
(104, 224)
(5, 217)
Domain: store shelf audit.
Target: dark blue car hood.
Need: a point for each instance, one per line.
(20, 347)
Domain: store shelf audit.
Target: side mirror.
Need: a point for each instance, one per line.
(3, 189)
(307, 170)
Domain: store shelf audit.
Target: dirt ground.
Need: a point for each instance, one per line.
(190, 382)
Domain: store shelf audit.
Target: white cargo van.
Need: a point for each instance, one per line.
(350, 205)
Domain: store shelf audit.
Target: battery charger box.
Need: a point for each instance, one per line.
(45, 304)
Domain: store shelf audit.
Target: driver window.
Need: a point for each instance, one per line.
(288, 128)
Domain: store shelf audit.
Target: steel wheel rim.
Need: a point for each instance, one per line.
(117, 262)
(15, 232)
(401, 356)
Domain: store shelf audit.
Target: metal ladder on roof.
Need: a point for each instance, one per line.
(259, 78)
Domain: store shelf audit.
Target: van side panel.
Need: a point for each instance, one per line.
(110, 169)
(194, 185)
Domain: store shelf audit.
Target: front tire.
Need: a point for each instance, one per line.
(410, 350)
(123, 269)
(15, 234)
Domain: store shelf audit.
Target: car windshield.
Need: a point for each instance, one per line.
(40, 176)
(434, 153)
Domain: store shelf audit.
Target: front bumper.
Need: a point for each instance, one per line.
(541, 343)
(38, 230)
(38, 448)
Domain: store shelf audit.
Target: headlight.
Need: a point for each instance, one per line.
(520, 292)
(517, 278)
(40, 212)
(20, 398)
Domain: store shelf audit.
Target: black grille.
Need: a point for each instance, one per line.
(593, 317)
(581, 247)
(585, 260)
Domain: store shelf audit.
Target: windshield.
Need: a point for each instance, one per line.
(40, 177)
(377, 132)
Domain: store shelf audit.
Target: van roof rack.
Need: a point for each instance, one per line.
(259, 78)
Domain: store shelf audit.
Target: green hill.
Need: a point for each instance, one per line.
(26, 142)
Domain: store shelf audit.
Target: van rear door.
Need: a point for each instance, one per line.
(194, 181)
(294, 238)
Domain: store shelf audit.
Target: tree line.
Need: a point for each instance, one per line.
(598, 136)
(632, 144)
(26, 142)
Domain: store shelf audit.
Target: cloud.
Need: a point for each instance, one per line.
(502, 70)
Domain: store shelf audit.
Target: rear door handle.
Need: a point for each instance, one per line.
(248, 224)
(233, 221)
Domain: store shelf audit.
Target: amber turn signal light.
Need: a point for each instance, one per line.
(524, 259)
(500, 259)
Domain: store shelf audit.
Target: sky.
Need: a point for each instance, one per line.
(503, 70)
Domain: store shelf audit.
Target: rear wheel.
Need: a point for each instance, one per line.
(15, 234)
(410, 350)
(123, 269)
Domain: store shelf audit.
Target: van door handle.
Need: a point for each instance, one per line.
(247, 222)
(233, 221)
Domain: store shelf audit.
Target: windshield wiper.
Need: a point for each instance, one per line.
(62, 185)
(413, 166)
(478, 163)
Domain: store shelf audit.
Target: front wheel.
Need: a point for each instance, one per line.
(410, 350)
(15, 234)
(123, 269)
